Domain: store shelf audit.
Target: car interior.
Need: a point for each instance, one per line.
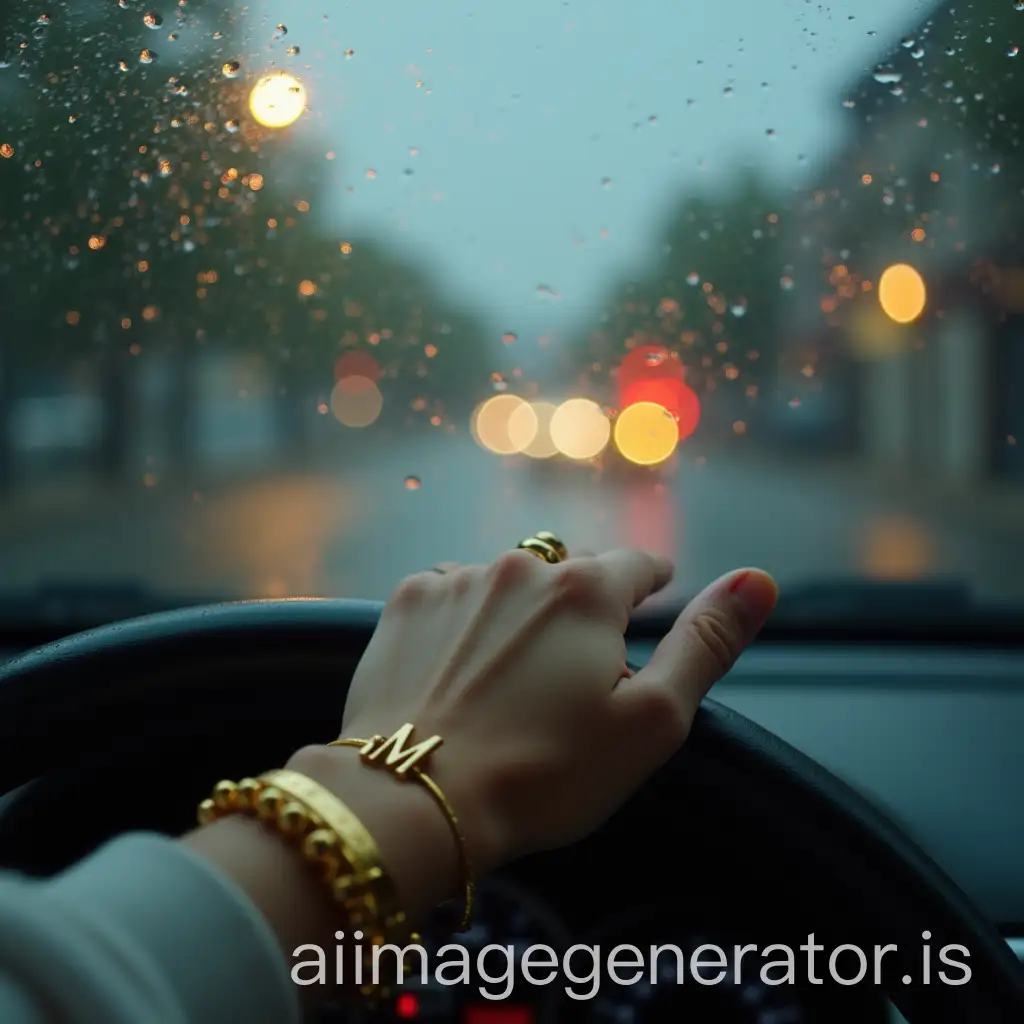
(790, 802)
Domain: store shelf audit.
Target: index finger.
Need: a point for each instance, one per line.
(634, 575)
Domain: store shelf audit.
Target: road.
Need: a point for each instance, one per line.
(357, 527)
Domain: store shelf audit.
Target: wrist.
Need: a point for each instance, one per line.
(414, 837)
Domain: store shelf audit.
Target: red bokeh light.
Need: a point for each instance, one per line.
(357, 364)
(672, 395)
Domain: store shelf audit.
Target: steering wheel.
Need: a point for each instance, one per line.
(153, 709)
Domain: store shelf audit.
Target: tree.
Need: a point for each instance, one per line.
(712, 297)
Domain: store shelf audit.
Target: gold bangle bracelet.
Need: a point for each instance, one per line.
(328, 835)
(402, 761)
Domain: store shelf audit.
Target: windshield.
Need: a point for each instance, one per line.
(301, 297)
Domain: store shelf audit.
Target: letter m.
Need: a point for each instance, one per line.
(397, 756)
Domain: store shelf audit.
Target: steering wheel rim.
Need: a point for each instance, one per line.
(184, 672)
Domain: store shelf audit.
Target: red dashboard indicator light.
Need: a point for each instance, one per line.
(499, 1015)
(407, 1007)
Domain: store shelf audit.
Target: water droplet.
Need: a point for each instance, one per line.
(292, 51)
(152, 20)
(122, 65)
(147, 56)
(995, 169)
(693, 279)
(44, 19)
(1013, 51)
(1018, 5)
(413, 483)
(727, 92)
(231, 68)
(164, 168)
(232, 125)
(907, 42)
(653, 119)
(281, 31)
(545, 291)
(498, 382)
(917, 53)
(770, 132)
(123, 4)
(606, 183)
(371, 173)
(739, 307)
(349, 54)
(510, 337)
(654, 358)
(786, 283)
(887, 76)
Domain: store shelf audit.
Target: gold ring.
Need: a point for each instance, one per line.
(545, 546)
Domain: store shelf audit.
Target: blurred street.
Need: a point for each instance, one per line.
(355, 529)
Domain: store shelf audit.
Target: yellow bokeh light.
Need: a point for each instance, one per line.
(356, 401)
(491, 422)
(529, 427)
(580, 430)
(646, 433)
(277, 100)
(901, 293)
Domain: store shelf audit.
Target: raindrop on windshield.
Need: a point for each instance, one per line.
(886, 76)
(498, 382)
(147, 56)
(293, 51)
(693, 279)
(786, 283)
(739, 307)
(727, 91)
(606, 183)
(413, 483)
(1013, 51)
(152, 20)
(231, 68)
(44, 19)
(349, 54)
(1018, 5)
(282, 30)
(509, 337)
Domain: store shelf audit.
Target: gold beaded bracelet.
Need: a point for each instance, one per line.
(330, 837)
(403, 762)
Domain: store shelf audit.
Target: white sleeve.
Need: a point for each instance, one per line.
(142, 930)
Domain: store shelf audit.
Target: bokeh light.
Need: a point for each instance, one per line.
(357, 364)
(491, 422)
(672, 395)
(646, 433)
(356, 401)
(579, 429)
(901, 293)
(529, 428)
(277, 100)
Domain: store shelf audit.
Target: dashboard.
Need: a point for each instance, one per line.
(931, 736)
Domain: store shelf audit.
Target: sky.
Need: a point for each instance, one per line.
(525, 151)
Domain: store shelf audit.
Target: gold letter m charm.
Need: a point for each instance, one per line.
(398, 758)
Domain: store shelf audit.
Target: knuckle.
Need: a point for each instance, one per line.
(580, 583)
(665, 719)
(716, 633)
(512, 568)
(412, 590)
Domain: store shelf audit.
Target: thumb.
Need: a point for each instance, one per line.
(710, 634)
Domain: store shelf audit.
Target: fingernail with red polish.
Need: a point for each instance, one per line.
(756, 593)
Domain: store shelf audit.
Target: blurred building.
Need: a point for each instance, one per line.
(924, 365)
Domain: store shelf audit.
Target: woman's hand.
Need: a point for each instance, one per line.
(520, 667)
